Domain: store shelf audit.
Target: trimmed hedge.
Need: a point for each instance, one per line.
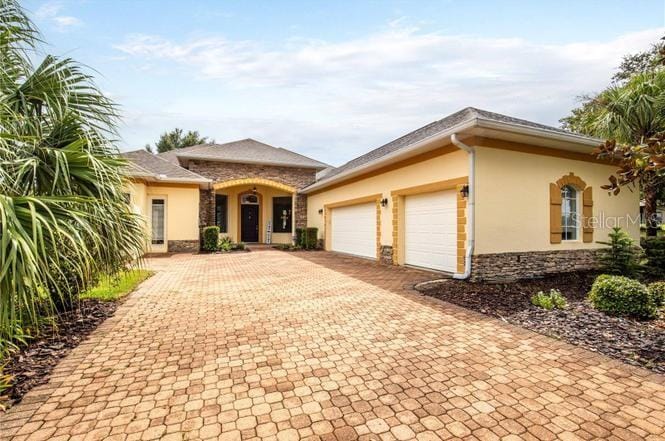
(654, 250)
(307, 238)
(657, 291)
(210, 238)
(618, 295)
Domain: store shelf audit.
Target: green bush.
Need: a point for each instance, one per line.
(210, 238)
(239, 246)
(311, 238)
(618, 295)
(225, 244)
(301, 236)
(622, 256)
(657, 291)
(552, 300)
(654, 250)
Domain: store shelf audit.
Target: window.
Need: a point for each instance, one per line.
(157, 217)
(221, 212)
(281, 214)
(569, 213)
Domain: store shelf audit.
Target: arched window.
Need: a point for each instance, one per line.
(570, 216)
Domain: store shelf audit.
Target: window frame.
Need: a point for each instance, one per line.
(576, 214)
(159, 245)
(276, 220)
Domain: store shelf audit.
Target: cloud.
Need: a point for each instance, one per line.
(50, 12)
(389, 82)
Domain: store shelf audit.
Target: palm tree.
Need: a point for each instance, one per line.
(63, 216)
(632, 113)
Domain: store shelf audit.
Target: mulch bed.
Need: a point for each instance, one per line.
(640, 343)
(32, 365)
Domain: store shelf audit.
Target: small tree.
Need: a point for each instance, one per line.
(177, 139)
(621, 257)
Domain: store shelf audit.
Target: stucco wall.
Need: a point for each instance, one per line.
(441, 168)
(512, 201)
(182, 208)
(182, 213)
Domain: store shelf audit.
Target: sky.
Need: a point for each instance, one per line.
(335, 79)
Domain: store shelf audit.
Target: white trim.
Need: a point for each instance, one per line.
(158, 248)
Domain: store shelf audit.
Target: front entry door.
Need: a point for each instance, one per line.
(249, 226)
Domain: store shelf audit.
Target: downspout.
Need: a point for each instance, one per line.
(471, 206)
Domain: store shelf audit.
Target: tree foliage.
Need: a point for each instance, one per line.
(177, 139)
(63, 216)
(630, 114)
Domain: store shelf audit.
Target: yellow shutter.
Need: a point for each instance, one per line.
(555, 214)
(587, 213)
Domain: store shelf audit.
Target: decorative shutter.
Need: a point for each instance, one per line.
(555, 214)
(587, 213)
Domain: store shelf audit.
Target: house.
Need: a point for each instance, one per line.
(242, 187)
(476, 194)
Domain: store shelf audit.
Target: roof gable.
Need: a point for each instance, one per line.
(243, 151)
(146, 165)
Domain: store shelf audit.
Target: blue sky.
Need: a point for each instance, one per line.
(333, 79)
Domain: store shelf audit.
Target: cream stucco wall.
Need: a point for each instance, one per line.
(267, 194)
(512, 201)
(440, 168)
(182, 208)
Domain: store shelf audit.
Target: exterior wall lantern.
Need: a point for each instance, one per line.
(384, 202)
(464, 191)
(320, 210)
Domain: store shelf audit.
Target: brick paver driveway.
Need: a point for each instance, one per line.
(313, 346)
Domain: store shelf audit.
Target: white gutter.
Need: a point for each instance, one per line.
(470, 205)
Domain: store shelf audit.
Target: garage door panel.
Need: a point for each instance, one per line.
(353, 230)
(430, 226)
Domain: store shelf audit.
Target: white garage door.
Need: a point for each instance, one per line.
(354, 230)
(430, 230)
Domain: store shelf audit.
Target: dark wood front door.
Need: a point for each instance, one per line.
(249, 223)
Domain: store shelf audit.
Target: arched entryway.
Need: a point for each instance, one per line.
(256, 210)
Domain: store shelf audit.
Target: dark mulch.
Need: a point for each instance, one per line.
(640, 343)
(32, 365)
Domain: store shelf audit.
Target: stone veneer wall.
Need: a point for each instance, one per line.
(525, 265)
(183, 246)
(225, 171)
(386, 255)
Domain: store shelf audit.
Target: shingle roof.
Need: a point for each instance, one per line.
(245, 150)
(465, 115)
(145, 164)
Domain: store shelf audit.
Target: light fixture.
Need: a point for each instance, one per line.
(464, 191)
(320, 210)
(384, 202)
(254, 190)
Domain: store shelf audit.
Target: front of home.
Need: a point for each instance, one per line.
(476, 194)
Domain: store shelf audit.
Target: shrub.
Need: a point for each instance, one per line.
(622, 256)
(210, 238)
(300, 237)
(239, 246)
(552, 300)
(618, 295)
(657, 291)
(311, 238)
(225, 244)
(654, 249)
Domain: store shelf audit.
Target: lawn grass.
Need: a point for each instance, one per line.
(112, 288)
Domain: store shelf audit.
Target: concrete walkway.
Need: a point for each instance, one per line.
(288, 346)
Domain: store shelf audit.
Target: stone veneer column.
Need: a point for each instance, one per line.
(206, 208)
(300, 211)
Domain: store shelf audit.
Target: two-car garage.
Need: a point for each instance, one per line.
(429, 230)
